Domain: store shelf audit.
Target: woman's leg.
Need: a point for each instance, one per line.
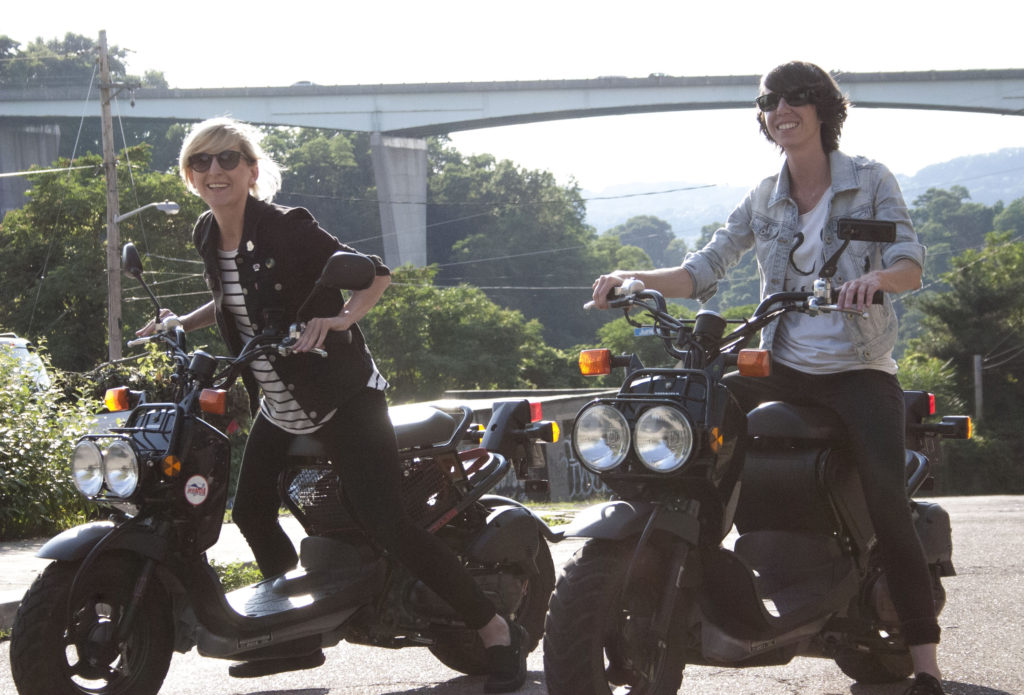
(362, 445)
(871, 404)
(257, 501)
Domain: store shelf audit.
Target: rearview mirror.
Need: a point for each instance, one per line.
(348, 271)
(131, 263)
(879, 231)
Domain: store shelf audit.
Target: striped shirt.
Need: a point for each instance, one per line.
(277, 404)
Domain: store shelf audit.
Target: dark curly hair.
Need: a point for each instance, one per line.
(828, 99)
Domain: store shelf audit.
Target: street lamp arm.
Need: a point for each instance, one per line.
(167, 206)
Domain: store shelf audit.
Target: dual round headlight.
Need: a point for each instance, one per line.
(662, 438)
(116, 466)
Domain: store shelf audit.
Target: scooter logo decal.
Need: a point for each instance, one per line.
(196, 490)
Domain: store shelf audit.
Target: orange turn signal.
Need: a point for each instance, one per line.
(595, 362)
(213, 401)
(116, 399)
(754, 362)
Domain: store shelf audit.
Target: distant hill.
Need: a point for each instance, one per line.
(687, 206)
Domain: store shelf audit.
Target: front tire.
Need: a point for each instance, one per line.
(463, 651)
(50, 656)
(599, 640)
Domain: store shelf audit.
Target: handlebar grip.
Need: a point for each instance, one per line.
(877, 298)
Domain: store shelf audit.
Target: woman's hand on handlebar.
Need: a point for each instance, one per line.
(604, 286)
(315, 332)
(152, 327)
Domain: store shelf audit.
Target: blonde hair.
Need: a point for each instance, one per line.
(218, 134)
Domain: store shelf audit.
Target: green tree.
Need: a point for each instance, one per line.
(982, 314)
(516, 234)
(650, 233)
(54, 252)
(427, 339)
(330, 174)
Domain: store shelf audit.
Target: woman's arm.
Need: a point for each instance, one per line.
(901, 276)
(357, 306)
(194, 320)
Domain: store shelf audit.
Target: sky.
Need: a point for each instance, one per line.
(258, 43)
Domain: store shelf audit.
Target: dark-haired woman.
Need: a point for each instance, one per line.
(841, 363)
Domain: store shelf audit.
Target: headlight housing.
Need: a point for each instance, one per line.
(121, 468)
(663, 439)
(117, 467)
(87, 468)
(601, 437)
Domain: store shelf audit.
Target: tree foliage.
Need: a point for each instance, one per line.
(516, 234)
(37, 432)
(54, 252)
(654, 236)
(427, 339)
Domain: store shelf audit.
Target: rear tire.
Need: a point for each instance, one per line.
(598, 640)
(464, 652)
(49, 656)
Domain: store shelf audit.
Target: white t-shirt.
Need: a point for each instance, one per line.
(816, 344)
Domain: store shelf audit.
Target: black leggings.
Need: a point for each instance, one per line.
(870, 404)
(362, 446)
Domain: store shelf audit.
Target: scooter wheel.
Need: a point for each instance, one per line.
(599, 636)
(51, 655)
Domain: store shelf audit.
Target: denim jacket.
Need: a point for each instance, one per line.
(767, 220)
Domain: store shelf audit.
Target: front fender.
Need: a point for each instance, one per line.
(75, 543)
(617, 520)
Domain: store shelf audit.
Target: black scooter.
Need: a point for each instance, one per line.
(655, 587)
(121, 595)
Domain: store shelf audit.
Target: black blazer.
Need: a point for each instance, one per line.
(280, 257)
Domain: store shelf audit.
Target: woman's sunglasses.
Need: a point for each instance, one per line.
(798, 97)
(228, 160)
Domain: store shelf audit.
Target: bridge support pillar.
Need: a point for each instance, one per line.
(21, 146)
(400, 171)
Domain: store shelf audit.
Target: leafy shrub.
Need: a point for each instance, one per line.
(38, 430)
(234, 575)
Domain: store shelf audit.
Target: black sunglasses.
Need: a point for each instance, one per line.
(797, 97)
(228, 160)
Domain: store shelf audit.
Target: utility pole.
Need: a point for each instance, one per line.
(113, 233)
(977, 388)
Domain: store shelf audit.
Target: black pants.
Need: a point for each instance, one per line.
(362, 446)
(870, 405)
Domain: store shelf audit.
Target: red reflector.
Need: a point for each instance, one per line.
(595, 362)
(931, 403)
(536, 411)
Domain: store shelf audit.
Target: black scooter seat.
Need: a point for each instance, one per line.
(420, 425)
(779, 419)
(415, 426)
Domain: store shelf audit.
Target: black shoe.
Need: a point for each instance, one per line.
(925, 684)
(266, 667)
(507, 664)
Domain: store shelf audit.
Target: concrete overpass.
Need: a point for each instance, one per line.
(399, 116)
